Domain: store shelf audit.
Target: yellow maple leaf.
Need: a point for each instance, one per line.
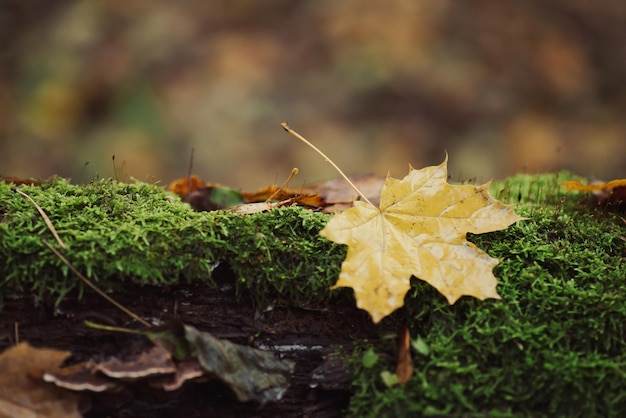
(420, 229)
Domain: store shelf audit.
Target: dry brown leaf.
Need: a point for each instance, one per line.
(404, 368)
(308, 201)
(187, 185)
(212, 196)
(609, 194)
(19, 181)
(575, 185)
(339, 196)
(420, 229)
(23, 393)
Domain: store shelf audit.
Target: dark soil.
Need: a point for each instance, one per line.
(315, 337)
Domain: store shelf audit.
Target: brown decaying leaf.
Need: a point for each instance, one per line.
(19, 181)
(331, 196)
(575, 185)
(404, 368)
(201, 197)
(308, 201)
(196, 192)
(420, 229)
(185, 186)
(252, 374)
(611, 193)
(273, 192)
(23, 392)
(339, 196)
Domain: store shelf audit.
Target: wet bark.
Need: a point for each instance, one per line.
(317, 338)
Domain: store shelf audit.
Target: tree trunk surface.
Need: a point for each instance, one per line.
(317, 338)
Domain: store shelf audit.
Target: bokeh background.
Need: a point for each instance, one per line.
(503, 87)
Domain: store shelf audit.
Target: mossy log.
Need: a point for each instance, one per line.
(555, 345)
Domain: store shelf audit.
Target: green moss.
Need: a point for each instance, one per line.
(119, 233)
(553, 346)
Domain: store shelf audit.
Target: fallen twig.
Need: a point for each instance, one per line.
(44, 216)
(98, 291)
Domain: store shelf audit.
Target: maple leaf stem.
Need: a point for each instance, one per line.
(328, 160)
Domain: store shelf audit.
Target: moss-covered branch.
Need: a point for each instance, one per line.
(118, 233)
(555, 345)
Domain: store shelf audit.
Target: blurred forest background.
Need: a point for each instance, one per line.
(504, 87)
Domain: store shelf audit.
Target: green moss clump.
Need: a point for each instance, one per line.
(555, 345)
(280, 253)
(119, 233)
